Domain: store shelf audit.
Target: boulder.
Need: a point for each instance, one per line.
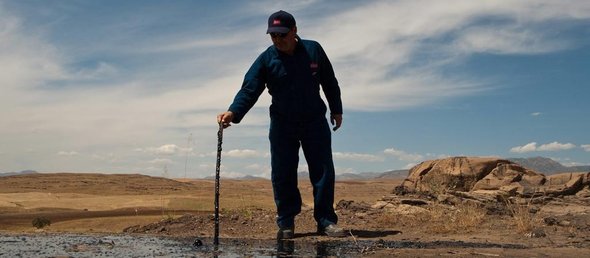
(498, 176)
(455, 173)
(565, 184)
(511, 178)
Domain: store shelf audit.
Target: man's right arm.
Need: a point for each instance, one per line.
(253, 85)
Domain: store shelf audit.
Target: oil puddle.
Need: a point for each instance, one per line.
(327, 248)
(73, 245)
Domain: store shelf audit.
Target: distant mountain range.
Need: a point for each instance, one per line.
(547, 166)
(24, 172)
(543, 165)
(393, 174)
(302, 175)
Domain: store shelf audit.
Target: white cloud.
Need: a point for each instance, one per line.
(161, 161)
(254, 166)
(109, 157)
(341, 170)
(404, 156)
(208, 154)
(511, 39)
(228, 174)
(357, 156)
(532, 147)
(586, 147)
(536, 114)
(410, 165)
(102, 70)
(245, 153)
(25, 57)
(68, 153)
(529, 147)
(262, 171)
(166, 149)
(556, 146)
(448, 34)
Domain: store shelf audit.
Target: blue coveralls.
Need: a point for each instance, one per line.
(298, 118)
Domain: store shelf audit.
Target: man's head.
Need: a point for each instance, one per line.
(280, 22)
(282, 30)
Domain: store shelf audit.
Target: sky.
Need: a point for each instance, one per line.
(135, 86)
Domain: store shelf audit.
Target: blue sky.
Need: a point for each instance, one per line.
(135, 86)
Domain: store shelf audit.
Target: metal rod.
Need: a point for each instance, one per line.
(217, 169)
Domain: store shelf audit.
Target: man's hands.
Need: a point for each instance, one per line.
(337, 119)
(225, 118)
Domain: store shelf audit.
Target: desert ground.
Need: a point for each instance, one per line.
(380, 223)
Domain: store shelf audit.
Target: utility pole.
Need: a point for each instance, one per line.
(165, 173)
(188, 147)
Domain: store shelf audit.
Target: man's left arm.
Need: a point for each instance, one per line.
(331, 89)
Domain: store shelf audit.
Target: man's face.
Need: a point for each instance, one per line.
(285, 42)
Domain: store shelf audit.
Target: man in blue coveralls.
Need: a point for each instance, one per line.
(293, 69)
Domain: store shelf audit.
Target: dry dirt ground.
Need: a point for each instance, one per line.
(379, 223)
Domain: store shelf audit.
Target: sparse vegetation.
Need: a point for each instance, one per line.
(169, 215)
(440, 218)
(41, 222)
(465, 217)
(523, 219)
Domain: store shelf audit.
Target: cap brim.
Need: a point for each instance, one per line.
(277, 30)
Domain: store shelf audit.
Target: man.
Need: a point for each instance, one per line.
(292, 69)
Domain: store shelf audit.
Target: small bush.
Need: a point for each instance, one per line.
(440, 219)
(41, 222)
(466, 217)
(524, 220)
(523, 213)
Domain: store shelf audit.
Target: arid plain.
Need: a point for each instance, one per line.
(418, 225)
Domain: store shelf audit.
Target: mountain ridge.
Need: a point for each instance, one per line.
(539, 164)
(547, 166)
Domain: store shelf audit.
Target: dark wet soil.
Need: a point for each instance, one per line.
(71, 245)
(74, 245)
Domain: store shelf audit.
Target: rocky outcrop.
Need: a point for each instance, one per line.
(489, 176)
(511, 178)
(455, 173)
(565, 184)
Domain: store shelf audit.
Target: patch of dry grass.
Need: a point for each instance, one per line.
(440, 219)
(523, 219)
(466, 217)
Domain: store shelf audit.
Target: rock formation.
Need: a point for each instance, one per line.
(490, 175)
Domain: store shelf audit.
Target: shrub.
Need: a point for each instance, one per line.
(524, 220)
(41, 222)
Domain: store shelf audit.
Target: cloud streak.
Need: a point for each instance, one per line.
(404, 156)
(532, 147)
(357, 157)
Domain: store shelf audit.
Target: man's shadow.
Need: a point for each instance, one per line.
(374, 233)
(357, 233)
